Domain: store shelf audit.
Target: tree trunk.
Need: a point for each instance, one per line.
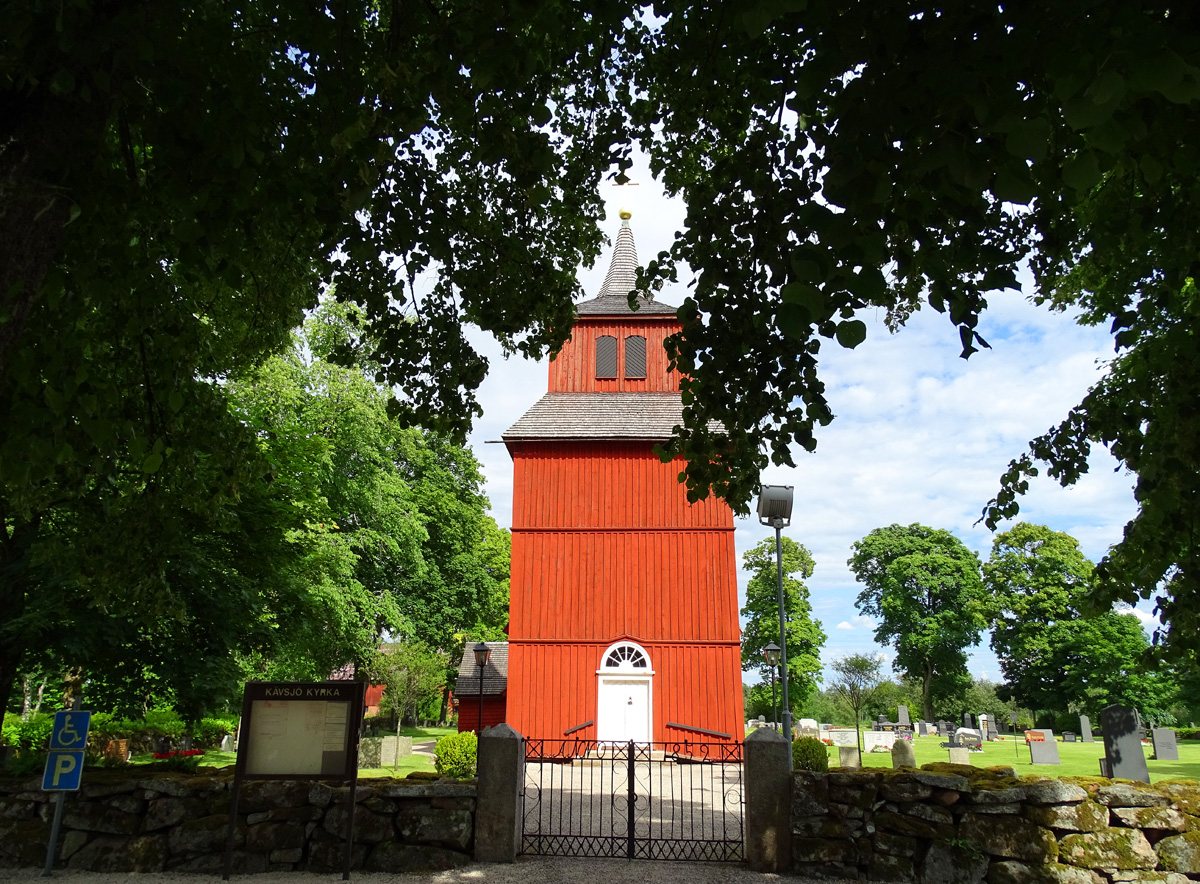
(14, 548)
(926, 694)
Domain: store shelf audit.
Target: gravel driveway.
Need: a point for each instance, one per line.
(527, 870)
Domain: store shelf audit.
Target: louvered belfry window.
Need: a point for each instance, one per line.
(606, 356)
(635, 357)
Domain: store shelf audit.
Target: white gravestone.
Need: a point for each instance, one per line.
(873, 739)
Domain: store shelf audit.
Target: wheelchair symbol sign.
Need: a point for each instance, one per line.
(70, 730)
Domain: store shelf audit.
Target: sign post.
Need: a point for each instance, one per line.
(64, 767)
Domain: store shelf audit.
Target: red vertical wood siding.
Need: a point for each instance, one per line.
(607, 548)
(494, 712)
(573, 370)
(598, 484)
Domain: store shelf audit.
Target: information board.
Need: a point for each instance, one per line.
(300, 730)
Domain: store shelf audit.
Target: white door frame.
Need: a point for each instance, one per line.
(634, 668)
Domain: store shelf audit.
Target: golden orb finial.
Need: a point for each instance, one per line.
(625, 214)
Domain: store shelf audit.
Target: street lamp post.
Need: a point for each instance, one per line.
(482, 652)
(775, 509)
(771, 652)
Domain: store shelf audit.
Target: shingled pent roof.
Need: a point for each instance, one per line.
(621, 280)
(599, 416)
(495, 673)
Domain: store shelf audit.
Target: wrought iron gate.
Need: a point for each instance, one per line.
(665, 801)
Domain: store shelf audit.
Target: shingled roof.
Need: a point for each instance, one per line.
(599, 416)
(495, 673)
(620, 281)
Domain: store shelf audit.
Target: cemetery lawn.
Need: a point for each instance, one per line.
(215, 758)
(1078, 759)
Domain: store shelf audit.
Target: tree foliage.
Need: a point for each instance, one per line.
(1051, 654)
(411, 674)
(176, 180)
(856, 679)
(923, 586)
(804, 634)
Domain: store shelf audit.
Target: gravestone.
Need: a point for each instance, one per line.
(1122, 745)
(871, 739)
(842, 737)
(960, 756)
(902, 716)
(1165, 747)
(227, 744)
(1068, 737)
(985, 730)
(902, 754)
(968, 720)
(882, 719)
(1085, 730)
(972, 741)
(944, 728)
(810, 732)
(1045, 750)
(848, 757)
(922, 729)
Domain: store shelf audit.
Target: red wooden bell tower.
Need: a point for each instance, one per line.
(623, 612)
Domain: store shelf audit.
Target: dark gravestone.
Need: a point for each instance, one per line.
(1122, 745)
(1045, 750)
(882, 718)
(922, 729)
(1165, 748)
(1068, 737)
(944, 728)
(902, 716)
(968, 720)
(1085, 729)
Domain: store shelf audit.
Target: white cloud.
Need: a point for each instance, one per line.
(845, 624)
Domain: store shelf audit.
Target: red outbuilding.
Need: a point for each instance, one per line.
(623, 614)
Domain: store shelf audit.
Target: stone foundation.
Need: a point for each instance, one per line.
(156, 822)
(956, 824)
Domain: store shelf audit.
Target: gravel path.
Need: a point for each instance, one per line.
(527, 870)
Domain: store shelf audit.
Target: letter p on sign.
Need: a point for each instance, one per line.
(63, 772)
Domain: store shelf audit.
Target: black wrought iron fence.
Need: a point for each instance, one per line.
(666, 801)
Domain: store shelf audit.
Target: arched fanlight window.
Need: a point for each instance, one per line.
(635, 357)
(606, 356)
(626, 656)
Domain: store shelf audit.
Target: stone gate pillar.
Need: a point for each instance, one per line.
(501, 776)
(768, 802)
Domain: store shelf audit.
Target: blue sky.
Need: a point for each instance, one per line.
(920, 435)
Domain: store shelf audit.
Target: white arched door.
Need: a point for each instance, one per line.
(625, 684)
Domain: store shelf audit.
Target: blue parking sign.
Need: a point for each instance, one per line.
(70, 730)
(63, 771)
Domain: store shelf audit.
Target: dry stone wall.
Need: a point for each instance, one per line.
(955, 824)
(157, 822)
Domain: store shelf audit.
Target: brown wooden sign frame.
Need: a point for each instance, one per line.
(279, 699)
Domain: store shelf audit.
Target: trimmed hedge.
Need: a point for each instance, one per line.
(457, 755)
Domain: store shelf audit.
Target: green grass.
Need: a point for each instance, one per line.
(427, 733)
(1078, 759)
(215, 758)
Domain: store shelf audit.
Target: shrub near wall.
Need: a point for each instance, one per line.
(122, 822)
(954, 824)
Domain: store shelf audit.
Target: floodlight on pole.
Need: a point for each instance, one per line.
(775, 509)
